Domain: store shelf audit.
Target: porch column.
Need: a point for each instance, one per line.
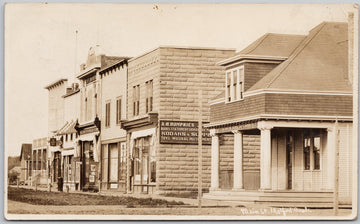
(238, 161)
(214, 160)
(265, 157)
(330, 145)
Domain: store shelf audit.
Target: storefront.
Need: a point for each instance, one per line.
(113, 166)
(87, 162)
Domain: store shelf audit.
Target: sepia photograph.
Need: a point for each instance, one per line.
(180, 111)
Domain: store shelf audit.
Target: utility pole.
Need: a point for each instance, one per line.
(76, 43)
(200, 150)
(336, 168)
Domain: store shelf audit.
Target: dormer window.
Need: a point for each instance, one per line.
(234, 84)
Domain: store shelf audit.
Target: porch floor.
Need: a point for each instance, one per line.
(286, 198)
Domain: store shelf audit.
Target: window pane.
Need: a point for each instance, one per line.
(114, 154)
(104, 154)
(316, 152)
(306, 152)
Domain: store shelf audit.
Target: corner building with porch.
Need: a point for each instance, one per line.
(287, 105)
(162, 116)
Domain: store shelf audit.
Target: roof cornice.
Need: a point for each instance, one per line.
(241, 57)
(88, 71)
(53, 84)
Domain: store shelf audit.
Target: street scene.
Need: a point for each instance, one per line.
(120, 119)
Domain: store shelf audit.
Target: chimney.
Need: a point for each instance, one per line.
(68, 90)
(82, 67)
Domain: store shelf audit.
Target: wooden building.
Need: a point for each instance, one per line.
(285, 110)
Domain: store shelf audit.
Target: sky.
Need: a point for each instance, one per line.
(41, 45)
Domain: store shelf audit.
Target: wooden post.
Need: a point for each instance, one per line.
(200, 150)
(336, 169)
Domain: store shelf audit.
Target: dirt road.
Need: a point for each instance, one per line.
(25, 208)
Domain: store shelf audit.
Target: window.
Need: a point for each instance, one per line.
(71, 136)
(66, 137)
(86, 110)
(149, 96)
(234, 84)
(307, 152)
(90, 78)
(107, 114)
(312, 149)
(136, 100)
(118, 111)
(113, 162)
(316, 151)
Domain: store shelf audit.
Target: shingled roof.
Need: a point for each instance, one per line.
(273, 44)
(319, 63)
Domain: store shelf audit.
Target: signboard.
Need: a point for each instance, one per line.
(182, 132)
(52, 141)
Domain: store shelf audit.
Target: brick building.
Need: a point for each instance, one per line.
(287, 100)
(162, 115)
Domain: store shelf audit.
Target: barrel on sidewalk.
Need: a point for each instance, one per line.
(60, 184)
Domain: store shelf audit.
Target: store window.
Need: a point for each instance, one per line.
(105, 158)
(113, 166)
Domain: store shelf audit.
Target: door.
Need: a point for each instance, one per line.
(289, 157)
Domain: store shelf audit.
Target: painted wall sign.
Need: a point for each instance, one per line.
(182, 132)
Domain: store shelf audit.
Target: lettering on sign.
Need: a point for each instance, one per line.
(182, 132)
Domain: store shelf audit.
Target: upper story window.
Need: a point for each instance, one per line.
(149, 96)
(118, 110)
(136, 100)
(234, 84)
(107, 114)
(90, 78)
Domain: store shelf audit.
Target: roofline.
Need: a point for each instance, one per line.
(113, 65)
(285, 91)
(280, 117)
(88, 71)
(57, 82)
(70, 94)
(182, 47)
(250, 56)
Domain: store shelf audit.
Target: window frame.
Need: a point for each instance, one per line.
(118, 109)
(311, 151)
(149, 96)
(107, 113)
(234, 91)
(136, 100)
